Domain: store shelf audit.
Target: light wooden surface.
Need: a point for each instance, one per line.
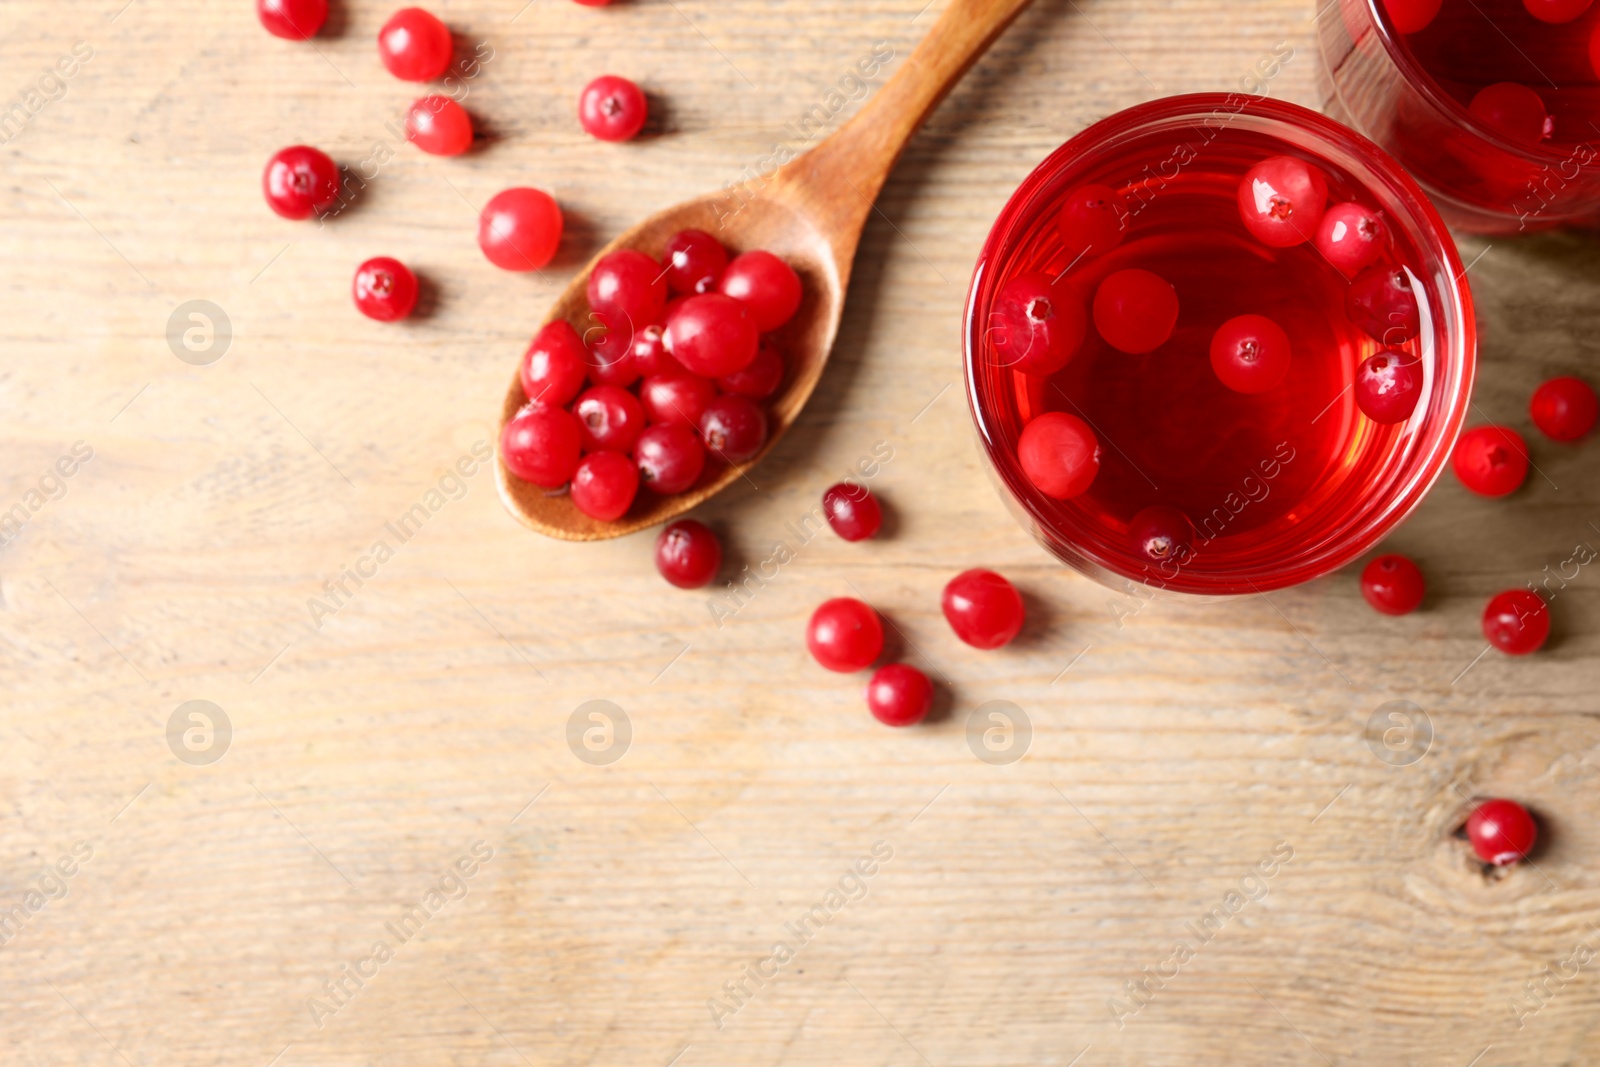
(1170, 754)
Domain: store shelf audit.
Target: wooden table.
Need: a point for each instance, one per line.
(224, 906)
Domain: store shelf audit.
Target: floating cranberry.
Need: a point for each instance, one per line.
(1091, 221)
(695, 262)
(1393, 585)
(764, 284)
(1491, 460)
(1514, 111)
(676, 399)
(1383, 303)
(608, 419)
(688, 554)
(1135, 310)
(733, 427)
(670, 458)
(1564, 409)
(610, 352)
(1036, 325)
(604, 485)
(1281, 201)
(1250, 354)
(844, 634)
(520, 229)
(1059, 453)
(1351, 236)
(712, 335)
(1162, 534)
(1388, 385)
(983, 608)
(760, 379)
(650, 355)
(439, 126)
(1516, 622)
(293, 20)
(384, 289)
(1409, 16)
(553, 368)
(628, 286)
(541, 445)
(612, 108)
(415, 45)
(852, 511)
(300, 181)
(899, 695)
(1501, 831)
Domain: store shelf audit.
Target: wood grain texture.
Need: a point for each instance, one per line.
(1175, 743)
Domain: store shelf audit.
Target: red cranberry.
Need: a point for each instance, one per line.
(1514, 111)
(608, 419)
(439, 126)
(604, 485)
(852, 511)
(844, 634)
(1135, 310)
(1060, 454)
(1250, 354)
(1281, 201)
(1556, 11)
(764, 284)
(1564, 409)
(415, 45)
(688, 554)
(1351, 237)
(1162, 534)
(612, 108)
(899, 695)
(676, 399)
(1036, 325)
(1594, 52)
(760, 379)
(1392, 585)
(520, 229)
(610, 353)
(650, 355)
(983, 608)
(293, 20)
(385, 289)
(553, 367)
(1388, 385)
(1501, 831)
(695, 262)
(670, 458)
(1382, 302)
(1516, 622)
(541, 445)
(1091, 221)
(712, 335)
(1409, 16)
(733, 427)
(628, 286)
(300, 181)
(1491, 460)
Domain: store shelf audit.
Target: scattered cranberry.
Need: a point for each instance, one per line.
(1281, 201)
(604, 485)
(553, 367)
(1135, 310)
(415, 45)
(1351, 237)
(764, 284)
(1564, 409)
(733, 427)
(300, 181)
(695, 262)
(1516, 622)
(520, 229)
(1491, 460)
(439, 126)
(1514, 111)
(852, 511)
(1037, 324)
(1409, 16)
(760, 379)
(844, 634)
(1090, 222)
(712, 335)
(1501, 831)
(385, 289)
(612, 108)
(541, 445)
(1556, 11)
(1250, 354)
(1392, 585)
(1162, 534)
(608, 419)
(688, 554)
(1382, 302)
(670, 458)
(293, 20)
(650, 355)
(899, 695)
(1059, 453)
(1388, 385)
(676, 399)
(983, 608)
(627, 285)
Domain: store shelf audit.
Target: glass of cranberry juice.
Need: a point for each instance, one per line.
(1271, 486)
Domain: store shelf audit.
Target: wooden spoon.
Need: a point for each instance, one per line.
(811, 213)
